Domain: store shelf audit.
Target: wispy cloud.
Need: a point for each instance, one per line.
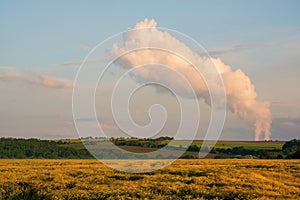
(235, 48)
(79, 62)
(11, 74)
(288, 120)
(72, 63)
(287, 126)
(84, 47)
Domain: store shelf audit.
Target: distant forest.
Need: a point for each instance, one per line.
(35, 148)
(74, 149)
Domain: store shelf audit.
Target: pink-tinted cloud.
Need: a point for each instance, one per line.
(84, 47)
(240, 91)
(11, 74)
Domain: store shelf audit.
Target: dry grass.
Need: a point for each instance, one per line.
(184, 179)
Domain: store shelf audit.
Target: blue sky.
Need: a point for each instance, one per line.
(260, 37)
(58, 27)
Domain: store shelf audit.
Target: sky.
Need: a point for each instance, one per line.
(42, 45)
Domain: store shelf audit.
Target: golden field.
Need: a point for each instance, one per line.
(183, 179)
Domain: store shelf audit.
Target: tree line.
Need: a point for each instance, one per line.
(35, 148)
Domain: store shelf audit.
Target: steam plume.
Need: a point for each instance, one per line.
(241, 95)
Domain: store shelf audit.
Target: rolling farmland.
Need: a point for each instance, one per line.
(183, 179)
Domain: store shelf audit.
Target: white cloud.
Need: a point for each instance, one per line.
(241, 94)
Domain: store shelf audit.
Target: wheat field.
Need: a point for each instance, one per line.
(183, 179)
